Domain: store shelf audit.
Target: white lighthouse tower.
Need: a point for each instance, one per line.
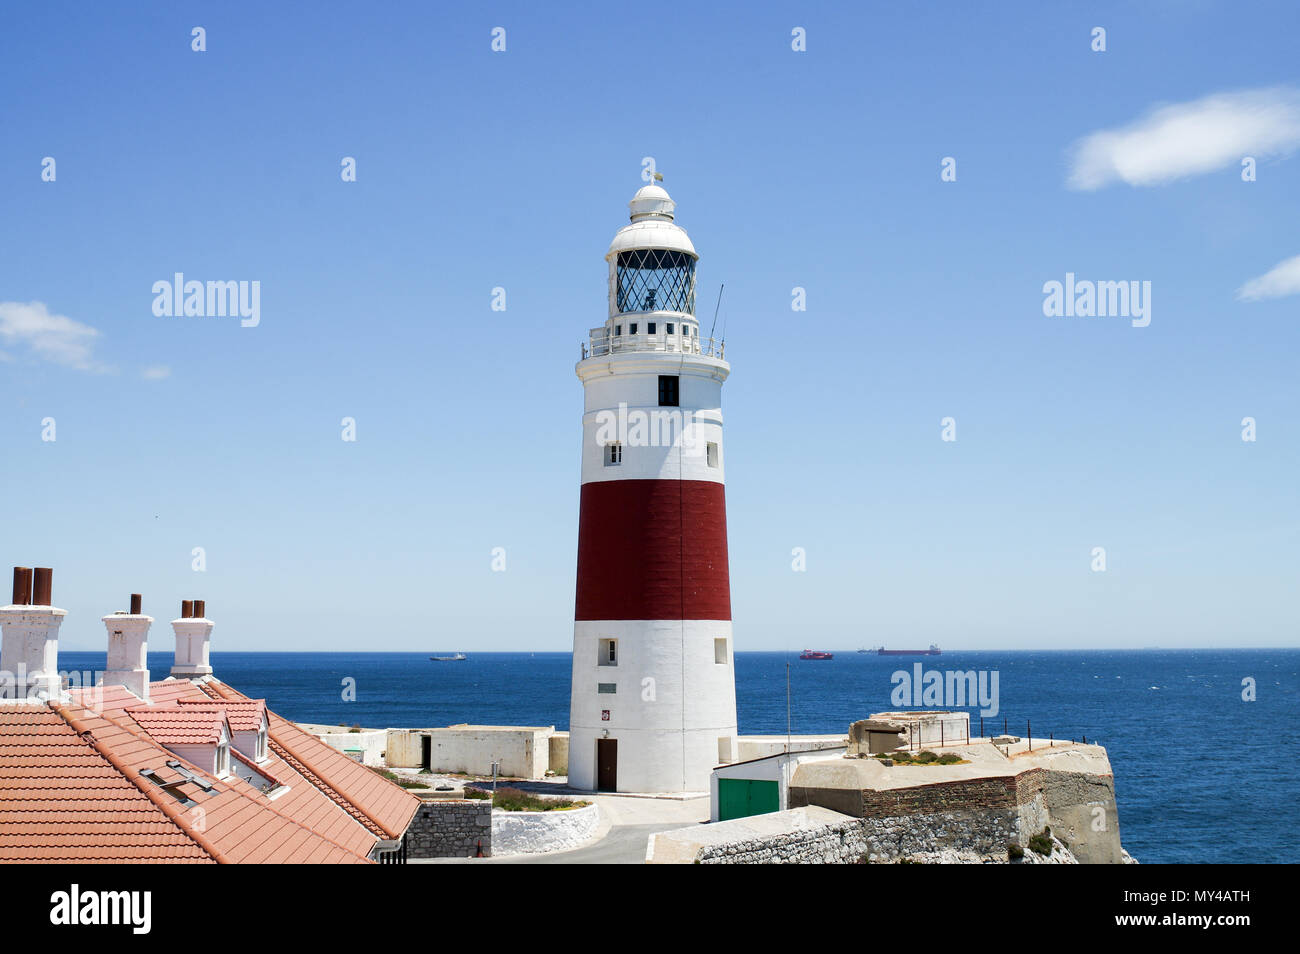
(654, 695)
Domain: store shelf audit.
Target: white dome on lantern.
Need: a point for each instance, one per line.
(652, 224)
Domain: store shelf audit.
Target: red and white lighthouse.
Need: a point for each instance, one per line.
(653, 704)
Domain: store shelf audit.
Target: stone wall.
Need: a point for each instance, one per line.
(450, 828)
(971, 838)
(974, 817)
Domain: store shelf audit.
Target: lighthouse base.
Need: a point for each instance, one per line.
(654, 705)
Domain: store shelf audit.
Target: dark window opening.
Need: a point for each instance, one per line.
(668, 390)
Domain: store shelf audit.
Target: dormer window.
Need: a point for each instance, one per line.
(223, 759)
(261, 743)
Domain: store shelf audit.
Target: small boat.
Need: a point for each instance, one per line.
(458, 657)
(932, 651)
(815, 654)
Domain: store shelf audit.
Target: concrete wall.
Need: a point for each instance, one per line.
(929, 728)
(518, 833)
(1081, 811)
(523, 751)
(750, 747)
(559, 753)
(450, 828)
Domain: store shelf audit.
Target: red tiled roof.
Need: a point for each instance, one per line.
(377, 803)
(308, 799)
(328, 808)
(62, 801)
(177, 725)
(232, 821)
(245, 715)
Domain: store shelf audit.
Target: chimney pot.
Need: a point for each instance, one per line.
(199, 609)
(137, 603)
(22, 586)
(187, 609)
(42, 586)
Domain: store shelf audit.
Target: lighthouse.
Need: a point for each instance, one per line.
(653, 705)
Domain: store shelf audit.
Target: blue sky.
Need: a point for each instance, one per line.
(817, 169)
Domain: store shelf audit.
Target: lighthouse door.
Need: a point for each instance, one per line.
(607, 765)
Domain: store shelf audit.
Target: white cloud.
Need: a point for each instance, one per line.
(156, 372)
(1280, 280)
(54, 338)
(1187, 139)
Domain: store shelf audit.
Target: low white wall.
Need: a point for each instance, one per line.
(523, 751)
(750, 747)
(371, 743)
(522, 833)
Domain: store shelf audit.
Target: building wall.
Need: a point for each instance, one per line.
(523, 751)
(450, 828)
(558, 745)
(779, 769)
(929, 728)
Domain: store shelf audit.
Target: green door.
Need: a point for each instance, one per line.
(742, 797)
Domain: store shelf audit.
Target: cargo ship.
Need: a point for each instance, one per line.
(815, 654)
(932, 651)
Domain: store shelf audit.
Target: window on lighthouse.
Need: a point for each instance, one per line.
(711, 454)
(613, 454)
(668, 390)
(608, 652)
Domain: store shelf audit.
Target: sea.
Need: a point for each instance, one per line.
(1202, 775)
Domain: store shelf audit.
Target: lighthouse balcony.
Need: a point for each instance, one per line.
(603, 342)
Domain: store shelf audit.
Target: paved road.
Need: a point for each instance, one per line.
(624, 845)
(626, 824)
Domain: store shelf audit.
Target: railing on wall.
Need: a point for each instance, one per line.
(914, 741)
(604, 343)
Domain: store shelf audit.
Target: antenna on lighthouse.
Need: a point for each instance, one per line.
(715, 310)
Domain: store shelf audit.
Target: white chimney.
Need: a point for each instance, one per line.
(128, 648)
(192, 633)
(29, 650)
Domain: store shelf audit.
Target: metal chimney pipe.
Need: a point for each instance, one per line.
(137, 603)
(22, 586)
(42, 586)
(187, 609)
(199, 609)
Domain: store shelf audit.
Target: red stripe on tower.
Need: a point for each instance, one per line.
(636, 559)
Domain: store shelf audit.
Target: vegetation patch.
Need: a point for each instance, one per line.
(924, 757)
(517, 800)
(1041, 844)
(398, 779)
